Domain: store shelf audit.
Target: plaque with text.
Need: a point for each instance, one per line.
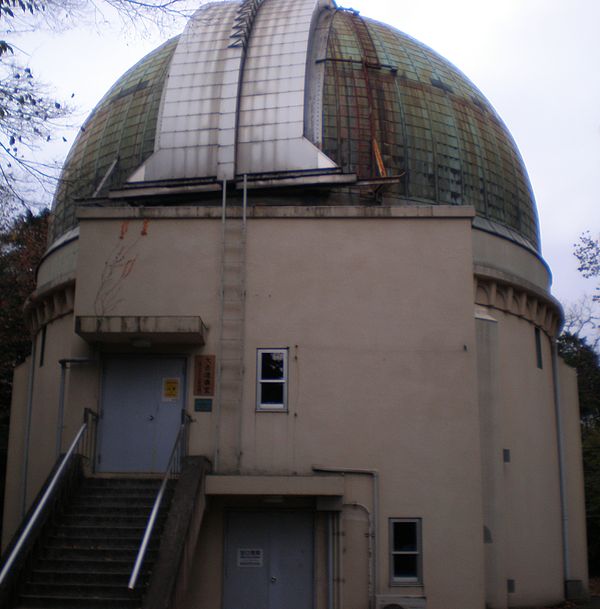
(204, 375)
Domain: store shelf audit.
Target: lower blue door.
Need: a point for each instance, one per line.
(142, 401)
(268, 560)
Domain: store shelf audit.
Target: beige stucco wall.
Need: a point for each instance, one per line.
(512, 262)
(12, 513)
(366, 336)
(60, 343)
(59, 263)
(81, 385)
(362, 348)
(577, 555)
(522, 500)
(388, 371)
(157, 267)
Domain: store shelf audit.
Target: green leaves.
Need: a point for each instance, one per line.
(587, 252)
(22, 245)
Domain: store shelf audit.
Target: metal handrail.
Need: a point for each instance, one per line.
(41, 505)
(154, 513)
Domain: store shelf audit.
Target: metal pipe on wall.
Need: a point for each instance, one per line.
(61, 395)
(28, 427)
(371, 536)
(217, 424)
(561, 463)
(330, 538)
(374, 474)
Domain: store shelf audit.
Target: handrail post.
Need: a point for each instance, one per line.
(153, 514)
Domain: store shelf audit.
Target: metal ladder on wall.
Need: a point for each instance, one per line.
(232, 331)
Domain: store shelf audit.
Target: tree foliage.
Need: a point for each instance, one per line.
(591, 468)
(583, 317)
(29, 117)
(21, 248)
(577, 353)
(587, 252)
(579, 346)
(581, 356)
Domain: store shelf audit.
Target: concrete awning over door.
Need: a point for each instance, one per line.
(153, 329)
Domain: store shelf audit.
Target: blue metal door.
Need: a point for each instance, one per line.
(142, 401)
(269, 560)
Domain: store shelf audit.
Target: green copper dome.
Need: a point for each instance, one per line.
(390, 107)
(120, 130)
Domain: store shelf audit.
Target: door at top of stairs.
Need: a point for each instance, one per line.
(142, 401)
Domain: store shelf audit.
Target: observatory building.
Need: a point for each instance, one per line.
(294, 261)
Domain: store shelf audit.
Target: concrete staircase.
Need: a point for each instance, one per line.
(86, 558)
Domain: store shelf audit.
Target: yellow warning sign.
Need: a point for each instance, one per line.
(170, 391)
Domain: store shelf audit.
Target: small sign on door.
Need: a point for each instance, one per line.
(170, 389)
(249, 557)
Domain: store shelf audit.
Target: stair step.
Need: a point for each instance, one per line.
(110, 500)
(31, 601)
(114, 510)
(121, 482)
(81, 589)
(113, 531)
(105, 520)
(93, 553)
(86, 559)
(77, 576)
(98, 542)
(81, 565)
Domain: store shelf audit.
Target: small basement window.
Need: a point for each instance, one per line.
(405, 551)
(271, 379)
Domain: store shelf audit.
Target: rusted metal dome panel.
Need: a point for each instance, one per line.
(392, 105)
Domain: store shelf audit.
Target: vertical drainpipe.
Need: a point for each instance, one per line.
(330, 539)
(374, 474)
(64, 363)
(217, 426)
(28, 427)
(561, 465)
(61, 406)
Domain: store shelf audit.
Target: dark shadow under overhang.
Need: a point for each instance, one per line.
(171, 329)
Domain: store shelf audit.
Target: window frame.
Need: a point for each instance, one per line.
(267, 407)
(417, 579)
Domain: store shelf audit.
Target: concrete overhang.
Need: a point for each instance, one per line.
(320, 486)
(149, 329)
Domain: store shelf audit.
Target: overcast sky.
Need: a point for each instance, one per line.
(535, 60)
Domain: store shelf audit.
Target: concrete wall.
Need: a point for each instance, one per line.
(81, 391)
(516, 263)
(577, 556)
(388, 371)
(365, 337)
(521, 488)
(12, 513)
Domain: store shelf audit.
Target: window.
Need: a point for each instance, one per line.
(538, 348)
(271, 379)
(405, 551)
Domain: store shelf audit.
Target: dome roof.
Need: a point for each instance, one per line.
(377, 104)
